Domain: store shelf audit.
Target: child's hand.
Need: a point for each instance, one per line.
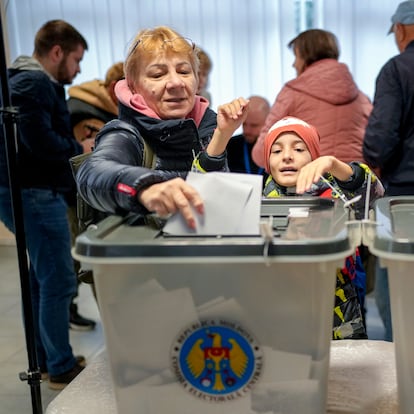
(312, 172)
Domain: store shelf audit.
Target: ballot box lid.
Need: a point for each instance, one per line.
(321, 230)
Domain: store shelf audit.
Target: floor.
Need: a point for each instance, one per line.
(15, 395)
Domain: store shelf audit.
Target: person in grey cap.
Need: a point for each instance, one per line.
(389, 136)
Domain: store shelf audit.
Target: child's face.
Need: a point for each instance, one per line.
(287, 156)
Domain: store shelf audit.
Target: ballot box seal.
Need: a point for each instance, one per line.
(216, 360)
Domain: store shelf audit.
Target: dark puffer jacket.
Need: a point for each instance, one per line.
(110, 179)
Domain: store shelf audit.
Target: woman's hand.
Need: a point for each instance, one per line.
(229, 117)
(312, 172)
(171, 196)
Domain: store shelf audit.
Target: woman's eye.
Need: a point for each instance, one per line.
(184, 69)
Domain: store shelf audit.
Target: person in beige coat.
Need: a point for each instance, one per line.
(323, 94)
(93, 103)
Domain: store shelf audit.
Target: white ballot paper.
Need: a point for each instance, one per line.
(231, 205)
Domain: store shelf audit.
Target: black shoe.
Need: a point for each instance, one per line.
(59, 382)
(80, 360)
(78, 322)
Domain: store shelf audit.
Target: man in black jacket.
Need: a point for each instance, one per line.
(45, 144)
(389, 137)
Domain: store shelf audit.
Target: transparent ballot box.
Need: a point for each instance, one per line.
(220, 324)
(391, 238)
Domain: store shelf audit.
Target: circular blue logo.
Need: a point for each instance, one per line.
(216, 360)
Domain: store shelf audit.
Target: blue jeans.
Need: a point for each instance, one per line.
(382, 299)
(51, 272)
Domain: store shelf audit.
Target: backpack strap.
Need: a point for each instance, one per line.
(76, 161)
(149, 159)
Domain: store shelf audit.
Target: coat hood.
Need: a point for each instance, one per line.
(327, 80)
(28, 63)
(95, 94)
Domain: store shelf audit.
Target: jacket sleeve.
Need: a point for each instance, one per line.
(381, 139)
(110, 179)
(204, 162)
(280, 108)
(112, 176)
(358, 185)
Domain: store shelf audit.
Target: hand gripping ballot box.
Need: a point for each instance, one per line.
(391, 238)
(230, 324)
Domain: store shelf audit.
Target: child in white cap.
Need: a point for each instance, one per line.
(295, 167)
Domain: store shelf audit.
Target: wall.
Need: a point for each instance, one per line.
(246, 39)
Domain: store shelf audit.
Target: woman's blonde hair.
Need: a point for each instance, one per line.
(150, 42)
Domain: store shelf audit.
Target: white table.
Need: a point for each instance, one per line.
(362, 380)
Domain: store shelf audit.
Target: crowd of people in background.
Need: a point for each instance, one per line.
(157, 100)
